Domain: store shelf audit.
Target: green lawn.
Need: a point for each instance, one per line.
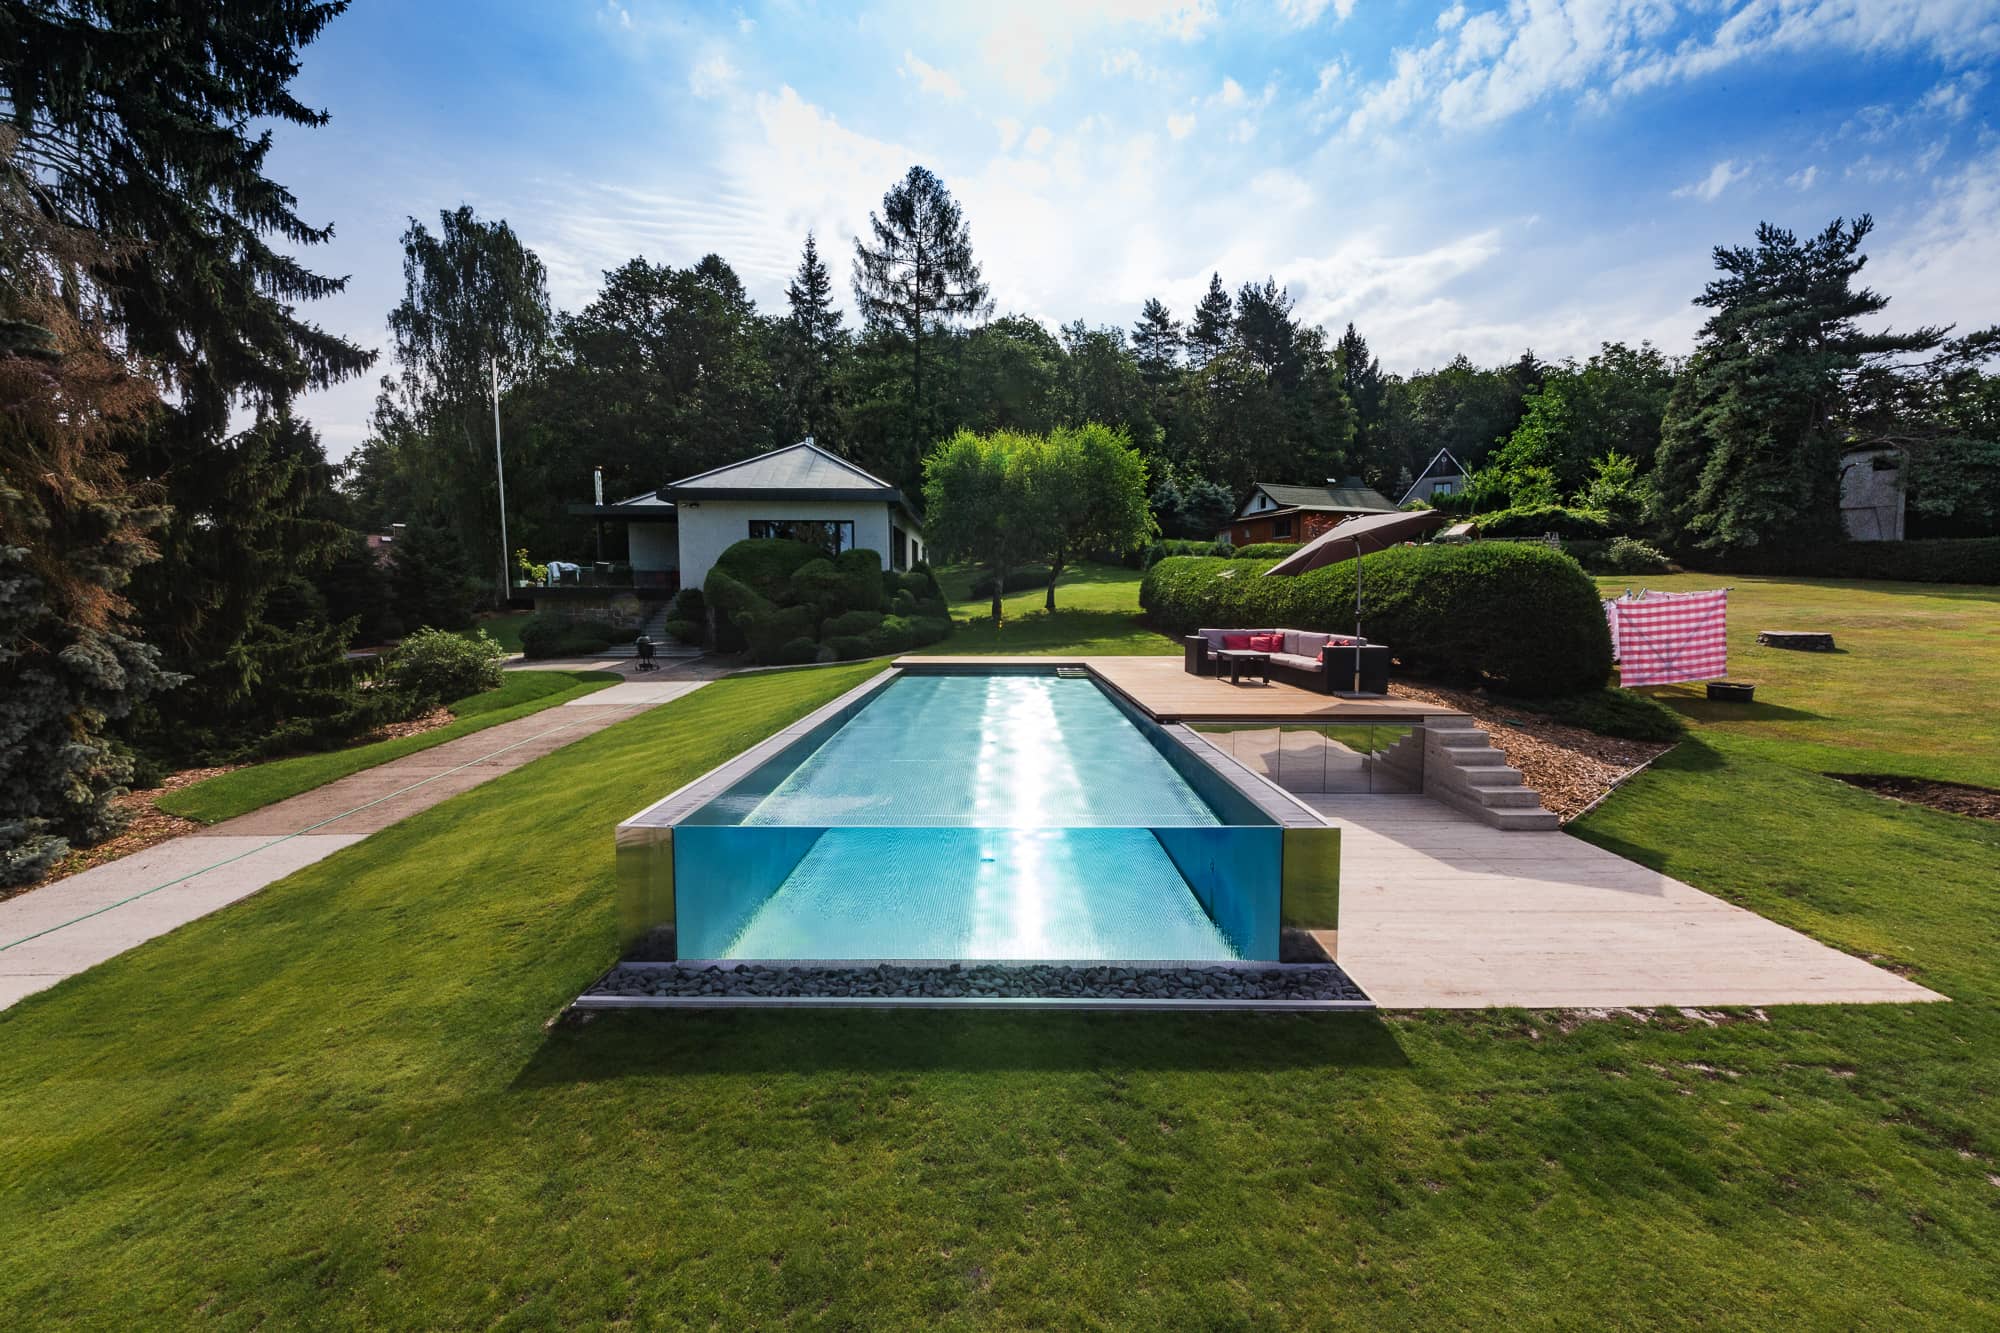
(504, 627)
(1097, 614)
(245, 789)
(336, 1103)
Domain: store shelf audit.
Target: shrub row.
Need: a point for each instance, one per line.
(1620, 555)
(551, 634)
(1173, 546)
(1514, 616)
(1540, 520)
(1935, 560)
(1265, 550)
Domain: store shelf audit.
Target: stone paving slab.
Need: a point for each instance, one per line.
(1438, 910)
(102, 912)
(199, 875)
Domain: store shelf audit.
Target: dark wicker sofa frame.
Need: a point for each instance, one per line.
(1334, 674)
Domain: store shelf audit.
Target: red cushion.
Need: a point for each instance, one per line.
(1235, 642)
(1267, 643)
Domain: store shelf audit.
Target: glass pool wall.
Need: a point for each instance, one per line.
(977, 817)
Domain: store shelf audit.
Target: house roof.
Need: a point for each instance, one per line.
(1350, 497)
(1443, 464)
(801, 471)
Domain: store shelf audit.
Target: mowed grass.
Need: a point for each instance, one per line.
(245, 789)
(1097, 614)
(336, 1103)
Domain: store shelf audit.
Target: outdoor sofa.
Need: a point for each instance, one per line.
(1306, 658)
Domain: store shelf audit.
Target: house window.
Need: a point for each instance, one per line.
(898, 549)
(1281, 528)
(831, 535)
(1440, 488)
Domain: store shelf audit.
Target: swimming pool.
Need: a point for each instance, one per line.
(989, 816)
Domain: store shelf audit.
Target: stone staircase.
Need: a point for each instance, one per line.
(1462, 769)
(654, 626)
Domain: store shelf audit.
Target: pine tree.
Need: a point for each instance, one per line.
(1208, 334)
(918, 273)
(1750, 448)
(810, 340)
(1362, 380)
(141, 124)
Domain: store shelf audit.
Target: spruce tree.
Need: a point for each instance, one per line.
(810, 341)
(918, 273)
(139, 123)
(72, 530)
(1156, 340)
(1208, 333)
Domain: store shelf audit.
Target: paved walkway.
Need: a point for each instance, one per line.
(1439, 911)
(79, 922)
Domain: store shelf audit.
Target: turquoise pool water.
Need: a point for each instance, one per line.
(975, 817)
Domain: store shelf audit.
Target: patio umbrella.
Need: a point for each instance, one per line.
(1353, 539)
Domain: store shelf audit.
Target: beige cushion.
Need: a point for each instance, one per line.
(1294, 660)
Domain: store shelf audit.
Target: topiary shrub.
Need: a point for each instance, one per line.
(435, 666)
(1264, 551)
(687, 631)
(849, 582)
(689, 604)
(903, 603)
(847, 647)
(764, 564)
(797, 652)
(767, 631)
(1513, 615)
(1173, 546)
(850, 623)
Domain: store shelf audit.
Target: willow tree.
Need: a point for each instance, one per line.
(1086, 494)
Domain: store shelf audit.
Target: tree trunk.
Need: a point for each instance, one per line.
(999, 590)
(1055, 572)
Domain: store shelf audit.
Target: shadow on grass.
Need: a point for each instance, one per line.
(1707, 710)
(613, 1045)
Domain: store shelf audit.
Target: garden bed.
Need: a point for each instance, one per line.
(1954, 798)
(1570, 767)
(146, 825)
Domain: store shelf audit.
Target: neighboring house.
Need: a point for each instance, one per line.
(1276, 513)
(1443, 475)
(674, 534)
(1871, 495)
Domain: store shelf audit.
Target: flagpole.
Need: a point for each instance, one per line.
(500, 472)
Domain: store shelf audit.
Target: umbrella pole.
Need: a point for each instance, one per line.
(1357, 616)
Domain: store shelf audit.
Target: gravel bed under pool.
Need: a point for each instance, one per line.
(1108, 983)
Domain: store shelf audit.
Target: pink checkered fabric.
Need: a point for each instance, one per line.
(1664, 639)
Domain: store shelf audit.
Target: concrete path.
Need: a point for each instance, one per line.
(79, 922)
(1439, 911)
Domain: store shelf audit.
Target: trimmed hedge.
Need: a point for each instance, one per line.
(1516, 616)
(1932, 560)
(1173, 546)
(551, 634)
(1265, 550)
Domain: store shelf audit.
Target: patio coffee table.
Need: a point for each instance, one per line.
(1240, 660)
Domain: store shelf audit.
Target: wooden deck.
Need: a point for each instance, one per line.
(1163, 689)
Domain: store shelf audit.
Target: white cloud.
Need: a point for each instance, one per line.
(1038, 139)
(1710, 187)
(1231, 93)
(1305, 13)
(1803, 179)
(1181, 126)
(711, 77)
(931, 79)
(1031, 40)
(1010, 130)
(1122, 61)
(1953, 98)
(1499, 62)
(1939, 260)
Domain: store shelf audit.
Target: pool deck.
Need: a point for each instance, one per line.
(1439, 911)
(1162, 688)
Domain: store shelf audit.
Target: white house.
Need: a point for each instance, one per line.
(802, 491)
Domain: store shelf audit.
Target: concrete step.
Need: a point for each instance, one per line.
(1507, 798)
(1523, 821)
(1492, 776)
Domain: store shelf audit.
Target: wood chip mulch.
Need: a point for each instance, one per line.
(431, 721)
(1956, 798)
(1569, 766)
(145, 825)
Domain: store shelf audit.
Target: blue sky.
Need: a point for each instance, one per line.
(1482, 178)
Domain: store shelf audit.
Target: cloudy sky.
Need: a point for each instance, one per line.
(1482, 178)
